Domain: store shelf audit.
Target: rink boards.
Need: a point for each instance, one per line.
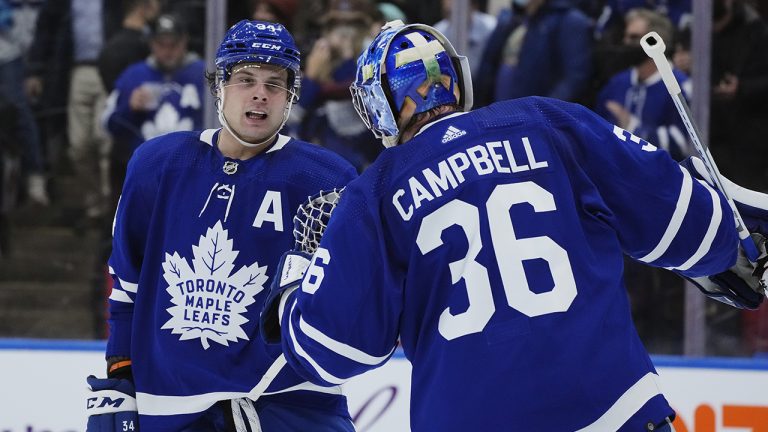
(43, 390)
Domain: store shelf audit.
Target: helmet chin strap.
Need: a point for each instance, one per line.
(225, 123)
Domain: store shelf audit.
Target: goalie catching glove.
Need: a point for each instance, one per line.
(111, 406)
(744, 284)
(291, 269)
(741, 286)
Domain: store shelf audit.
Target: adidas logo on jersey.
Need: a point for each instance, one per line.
(452, 133)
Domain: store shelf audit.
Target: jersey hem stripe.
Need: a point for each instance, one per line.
(626, 406)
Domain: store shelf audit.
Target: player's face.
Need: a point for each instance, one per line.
(255, 98)
(169, 51)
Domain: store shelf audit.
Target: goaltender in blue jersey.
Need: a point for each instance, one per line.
(202, 221)
(489, 244)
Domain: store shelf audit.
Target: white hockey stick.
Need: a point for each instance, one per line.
(654, 47)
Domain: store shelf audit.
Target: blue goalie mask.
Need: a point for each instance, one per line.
(259, 42)
(407, 70)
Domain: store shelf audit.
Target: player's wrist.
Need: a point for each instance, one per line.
(119, 367)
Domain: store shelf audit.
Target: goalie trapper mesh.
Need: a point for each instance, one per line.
(312, 218)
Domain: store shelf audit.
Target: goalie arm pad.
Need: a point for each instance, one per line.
(293, 265)
(752, 205)
(111, 405)
(744, 284)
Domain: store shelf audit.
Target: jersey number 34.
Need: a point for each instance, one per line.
(510, 253)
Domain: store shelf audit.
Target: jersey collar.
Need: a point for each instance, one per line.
(438, 120)
(207, 136)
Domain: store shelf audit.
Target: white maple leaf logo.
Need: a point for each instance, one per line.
(166, 120)
(210, 301)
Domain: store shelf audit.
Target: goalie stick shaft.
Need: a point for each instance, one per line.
(654, 47)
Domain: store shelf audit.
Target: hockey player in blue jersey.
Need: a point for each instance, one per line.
(202, 221)
(489, 243)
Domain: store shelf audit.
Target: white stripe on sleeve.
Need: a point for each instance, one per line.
(709, 237)
(297, 348)
(341, 348)
(120, 296)
(681, 208)
(127, 286)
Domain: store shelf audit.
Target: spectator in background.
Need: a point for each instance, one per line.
(279, 11)
(610, 24)
(550, 53)
(159, 95)
(479, 26)
(681, 55)
(610, 52)
(740, 89)
(502, 50)
(9, 170)
(16, 27)
(62, 73)
(325, 114)
(737, 131)
(130, 44)
(307, 24)
(636, 99)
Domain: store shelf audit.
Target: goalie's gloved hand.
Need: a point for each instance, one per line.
(111, 405)
(290, 272)
(741, 286)
(744, 284)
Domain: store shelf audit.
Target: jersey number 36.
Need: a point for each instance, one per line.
(510, 253)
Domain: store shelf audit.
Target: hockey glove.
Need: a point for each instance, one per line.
(291, 269)
(741, 286)
(111, 406)
(744, 284)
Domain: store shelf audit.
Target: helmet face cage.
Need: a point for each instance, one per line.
(259, 42)
(401, 61)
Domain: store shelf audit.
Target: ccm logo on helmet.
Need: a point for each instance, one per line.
(268, 46)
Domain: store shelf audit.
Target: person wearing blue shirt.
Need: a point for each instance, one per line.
(489, 244)
(636, 99)
(161, 94)
(202, 220)
(555, 53)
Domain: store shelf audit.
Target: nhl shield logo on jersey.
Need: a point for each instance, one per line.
(210, 300)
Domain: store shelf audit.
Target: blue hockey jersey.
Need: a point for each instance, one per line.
(654, 116)
(177, 103)
(197, 237)
(490, 245)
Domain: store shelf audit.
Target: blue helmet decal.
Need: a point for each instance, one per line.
(258, 42)
(408, 70)
(419, 70)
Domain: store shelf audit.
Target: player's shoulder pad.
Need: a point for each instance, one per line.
(168, 144)
(529, 110)
(315, 155)
(154, 154)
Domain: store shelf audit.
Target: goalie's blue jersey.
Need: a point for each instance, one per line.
(490, 245)
(197, 237)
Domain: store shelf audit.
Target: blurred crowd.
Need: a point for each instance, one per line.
(85, 82)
